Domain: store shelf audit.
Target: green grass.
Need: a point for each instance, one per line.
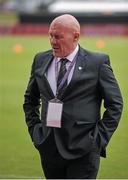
(18, 157)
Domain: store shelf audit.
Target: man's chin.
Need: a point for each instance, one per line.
(56, 54)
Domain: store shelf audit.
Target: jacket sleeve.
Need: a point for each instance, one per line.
(32, 102)
(113, 103)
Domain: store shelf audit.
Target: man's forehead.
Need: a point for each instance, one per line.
(58, 28)
(57, 24)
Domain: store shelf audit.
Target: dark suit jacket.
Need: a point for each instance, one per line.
(82, 126)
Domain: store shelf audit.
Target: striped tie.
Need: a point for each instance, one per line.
(61, 74)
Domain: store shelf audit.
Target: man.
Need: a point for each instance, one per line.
(70, 134)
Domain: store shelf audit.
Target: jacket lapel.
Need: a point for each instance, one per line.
(47, 88)
(78, 70)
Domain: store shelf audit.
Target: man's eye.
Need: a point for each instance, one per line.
(57, 37)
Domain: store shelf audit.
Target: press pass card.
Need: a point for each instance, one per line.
(54, 114)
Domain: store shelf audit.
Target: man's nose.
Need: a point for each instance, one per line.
(53, 40)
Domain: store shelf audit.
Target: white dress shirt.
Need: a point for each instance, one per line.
(51, 74)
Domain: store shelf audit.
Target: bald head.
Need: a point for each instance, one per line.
(64, 34)
(67, 21)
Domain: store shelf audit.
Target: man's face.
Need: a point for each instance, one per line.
(63, 40)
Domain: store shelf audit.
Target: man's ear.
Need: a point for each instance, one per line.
(76, 36)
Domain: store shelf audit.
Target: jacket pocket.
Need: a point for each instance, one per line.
(84, 122)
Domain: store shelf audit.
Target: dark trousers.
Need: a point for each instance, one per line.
(56, 167)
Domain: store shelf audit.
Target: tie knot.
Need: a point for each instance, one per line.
(63, 61)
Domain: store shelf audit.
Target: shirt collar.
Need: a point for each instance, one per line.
(71, 56)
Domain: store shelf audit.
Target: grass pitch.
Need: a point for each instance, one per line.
(18, 157)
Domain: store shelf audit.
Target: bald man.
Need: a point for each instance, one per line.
(70, 83)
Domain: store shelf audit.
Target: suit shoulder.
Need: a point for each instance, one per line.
(97, 57)
(41, 55)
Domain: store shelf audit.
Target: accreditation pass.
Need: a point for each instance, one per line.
(54, 113)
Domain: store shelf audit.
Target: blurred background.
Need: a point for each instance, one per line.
(18, 16)
(24, 32)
